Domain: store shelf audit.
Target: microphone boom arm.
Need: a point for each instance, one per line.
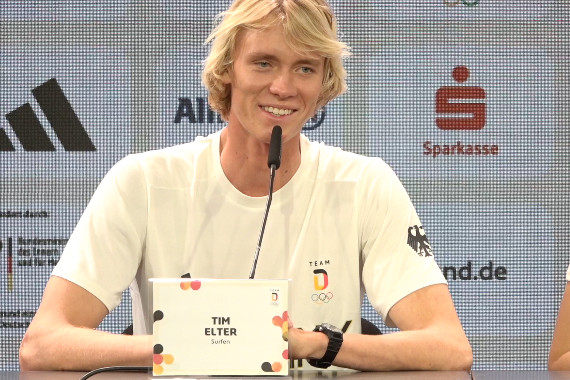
(273, 162)
(269, 197)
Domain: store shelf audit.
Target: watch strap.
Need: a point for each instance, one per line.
(335, 336)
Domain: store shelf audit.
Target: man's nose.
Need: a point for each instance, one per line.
(283, 85)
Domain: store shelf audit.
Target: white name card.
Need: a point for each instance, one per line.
(220, 327)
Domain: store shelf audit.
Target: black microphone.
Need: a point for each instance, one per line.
(273, 161)
(274, 156)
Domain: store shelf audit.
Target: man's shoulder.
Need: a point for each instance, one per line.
(173, 163)
(201, 145)
(340, 163)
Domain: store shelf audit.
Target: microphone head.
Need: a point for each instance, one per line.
(274, 157)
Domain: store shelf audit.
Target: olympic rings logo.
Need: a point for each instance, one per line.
(321, 298)
(453, 3)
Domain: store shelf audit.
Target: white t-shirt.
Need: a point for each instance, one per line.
(344, 223)
(568, 274)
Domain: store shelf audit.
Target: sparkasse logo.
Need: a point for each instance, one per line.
(58, 111)
(460, 108)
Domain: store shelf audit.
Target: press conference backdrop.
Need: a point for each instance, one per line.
(468, 101)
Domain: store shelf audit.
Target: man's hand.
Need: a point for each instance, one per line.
(306, 344)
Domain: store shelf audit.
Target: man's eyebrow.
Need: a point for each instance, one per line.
(311, 62)
(271, 57)
(261, 56)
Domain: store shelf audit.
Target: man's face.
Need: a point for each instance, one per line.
(272, 84)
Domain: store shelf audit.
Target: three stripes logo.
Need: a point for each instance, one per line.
(60, 115)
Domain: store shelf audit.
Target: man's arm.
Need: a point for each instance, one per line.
(559, 358)
(431, 338)
(62, 336)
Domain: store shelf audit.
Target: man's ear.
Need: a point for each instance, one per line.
(226, 77)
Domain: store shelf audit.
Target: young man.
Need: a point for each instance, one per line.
(195, 210)
(559, 358)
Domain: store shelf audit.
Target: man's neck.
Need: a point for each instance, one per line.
(244, 162)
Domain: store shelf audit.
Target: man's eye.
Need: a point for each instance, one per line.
(306, 70)
(263, 64)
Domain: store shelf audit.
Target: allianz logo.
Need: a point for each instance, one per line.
(197, 111)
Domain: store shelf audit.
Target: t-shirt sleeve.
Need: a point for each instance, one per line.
(105, 249)
(396, 254)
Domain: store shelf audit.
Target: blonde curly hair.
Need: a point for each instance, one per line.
(309, 25)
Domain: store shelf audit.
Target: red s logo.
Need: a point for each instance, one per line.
(446, 103)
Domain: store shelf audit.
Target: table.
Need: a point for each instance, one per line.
(313, 375)
(294, 375)
(521, 375)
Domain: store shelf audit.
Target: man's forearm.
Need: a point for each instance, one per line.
(406, 350)
(83, 349)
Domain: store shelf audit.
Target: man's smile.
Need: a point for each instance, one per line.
(278, 111)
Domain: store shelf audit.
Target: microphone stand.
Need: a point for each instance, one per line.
(269, 197)
(273, 161)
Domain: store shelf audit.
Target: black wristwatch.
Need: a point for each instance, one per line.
(335, 341)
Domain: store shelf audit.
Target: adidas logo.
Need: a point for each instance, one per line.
(61, 117)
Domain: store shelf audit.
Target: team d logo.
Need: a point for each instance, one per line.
(30, 132)
(321, 282)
